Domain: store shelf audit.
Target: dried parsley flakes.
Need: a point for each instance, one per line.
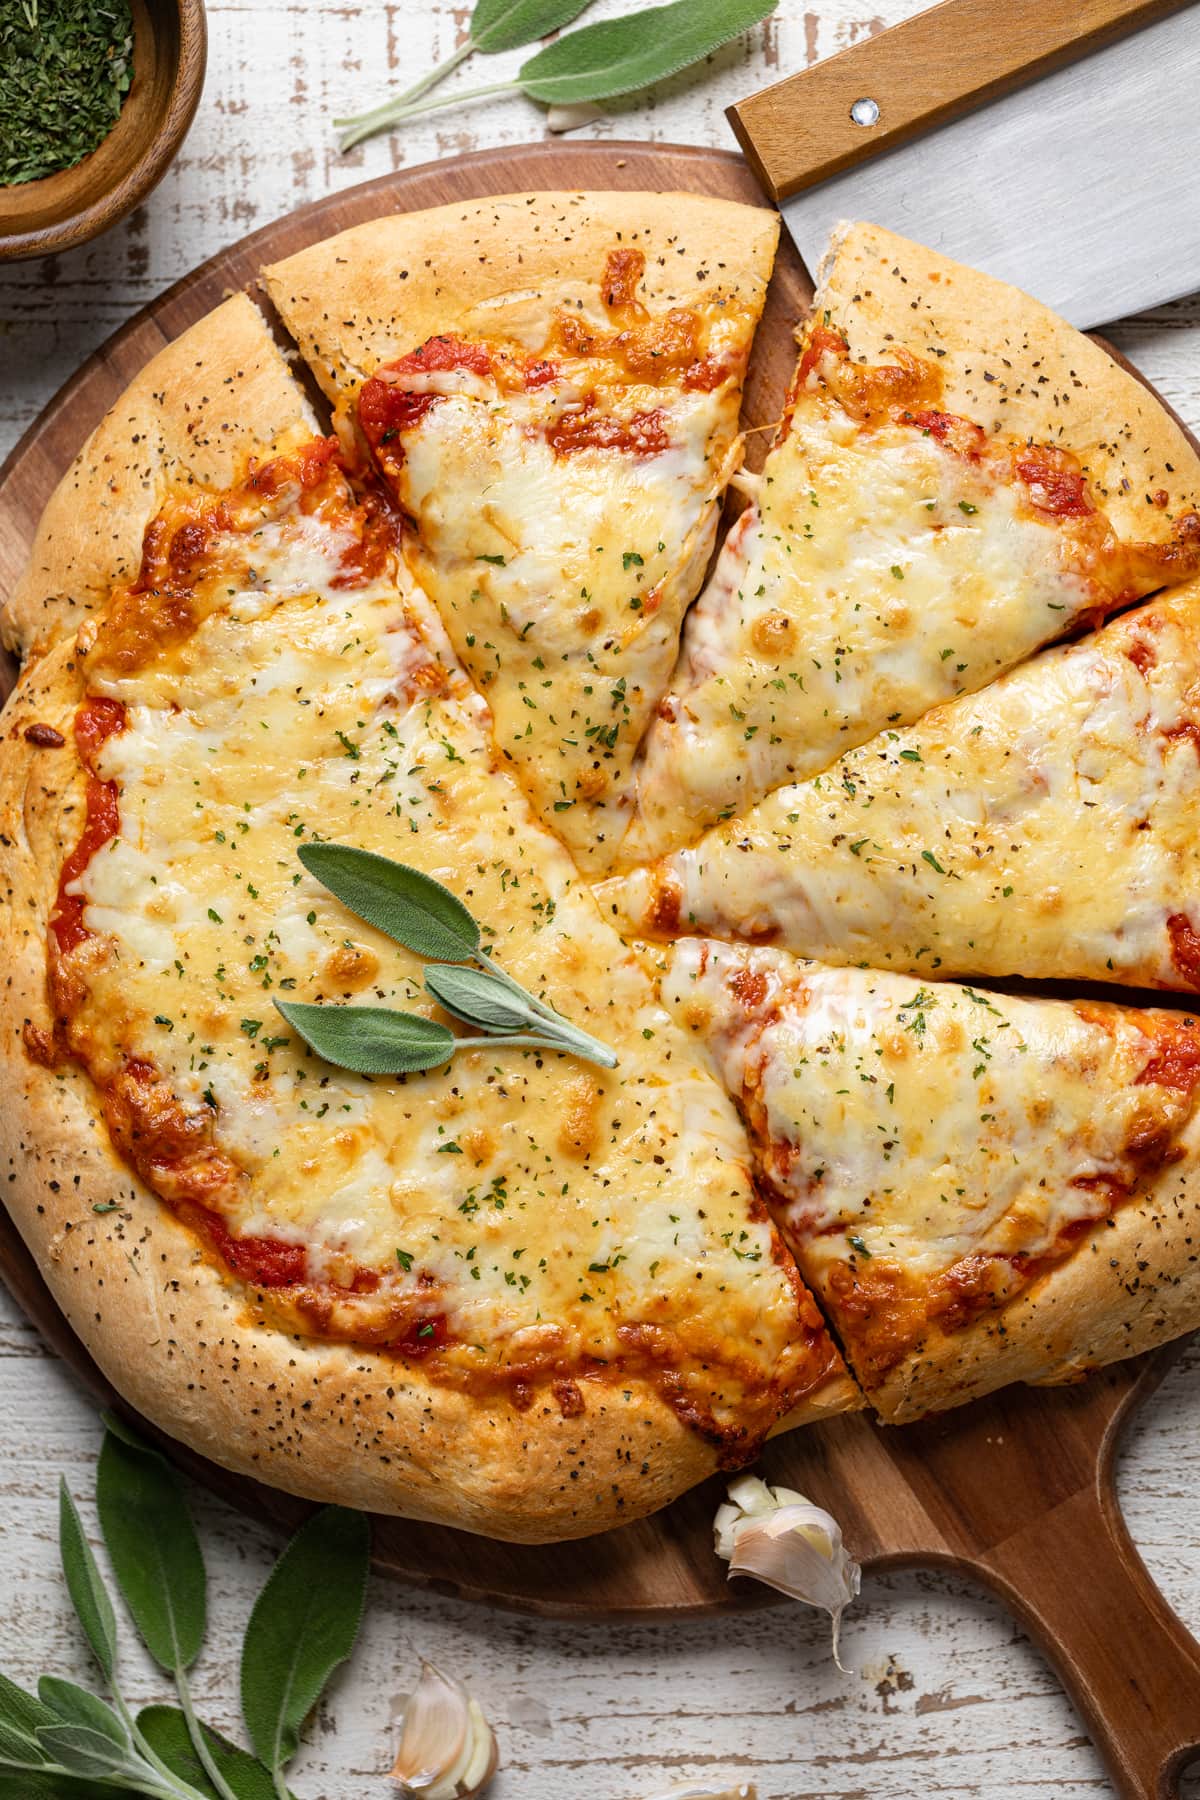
(65, 68)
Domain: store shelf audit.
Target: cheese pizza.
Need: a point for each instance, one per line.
(558, 424)
(1046, 827)
(912, 536)
(977, 1185)
(546, 1283)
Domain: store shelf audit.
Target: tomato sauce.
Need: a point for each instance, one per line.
(1185, 948)
(95, 722)
(1057, 485)
(822, 342)
(263, 1261)
(386, 407)
(645, 434)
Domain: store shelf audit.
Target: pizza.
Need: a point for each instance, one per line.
(1047, 827)
(560, 448)
(460, 616)
(923, 522)
(978, 1186)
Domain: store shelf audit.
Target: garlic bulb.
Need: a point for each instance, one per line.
(779, 1537)
(447, 1748)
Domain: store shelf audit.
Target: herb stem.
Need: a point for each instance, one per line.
(174, 1788)
(579, 1042)
(395, 112)
(570, 1035)
(388, 108)
(196, 1733)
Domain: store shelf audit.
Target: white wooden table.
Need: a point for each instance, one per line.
(950, 1699)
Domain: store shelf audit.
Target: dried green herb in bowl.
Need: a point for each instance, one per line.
(65, 69)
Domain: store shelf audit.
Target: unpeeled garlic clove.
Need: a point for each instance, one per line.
(745, 1790)
(572, 115)
(777, 1536)
(447, 1748)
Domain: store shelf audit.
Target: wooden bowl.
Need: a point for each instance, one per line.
(169, 50)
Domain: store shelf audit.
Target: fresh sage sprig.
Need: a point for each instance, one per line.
(413, 909)
(67, 1744)
(495, 25)
(597, 62)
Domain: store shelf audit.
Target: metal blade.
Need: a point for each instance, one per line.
(1082, 188)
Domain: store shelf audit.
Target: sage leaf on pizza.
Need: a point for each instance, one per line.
(499, 1020)
(426, 917)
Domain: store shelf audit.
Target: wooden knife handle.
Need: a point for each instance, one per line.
(938, 64)
(1075, 1580)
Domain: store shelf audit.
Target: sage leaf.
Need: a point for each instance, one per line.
(404, 903)
(619, 56)
(165, 1729)
(85, 1752)
(507, 24)
(16, 1748)
(371, 1040)
(304, 1624)
(72, 1705)
(20, 1716)
(89, 1596)
(28, 1786)
(153, 1548)
(479, 999)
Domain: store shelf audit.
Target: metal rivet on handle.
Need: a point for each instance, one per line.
(865, 111)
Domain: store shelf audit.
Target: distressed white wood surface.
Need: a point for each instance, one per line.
(950, 1700)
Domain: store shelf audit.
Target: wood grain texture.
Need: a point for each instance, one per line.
(924, 72)
(950, 1699)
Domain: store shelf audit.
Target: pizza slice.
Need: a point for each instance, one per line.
(188, 425)
(517, 1293)
(1048, 827)
(979, 1188)
(549, 384)
(945, 496)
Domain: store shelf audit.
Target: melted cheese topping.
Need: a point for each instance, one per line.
(881, 572)
(555, 1217)
(914, 1128)
(1048, 827)
(562, 568)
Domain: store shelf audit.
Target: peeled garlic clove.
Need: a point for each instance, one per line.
(447, 1748)
(777, 1536)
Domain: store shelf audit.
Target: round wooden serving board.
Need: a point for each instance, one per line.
(1015, 1491)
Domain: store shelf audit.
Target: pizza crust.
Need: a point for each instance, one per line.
(1133, 1283)
(1010, 364)
(379, 289)
(217, 394)
(167, 1326)
(178, 1338)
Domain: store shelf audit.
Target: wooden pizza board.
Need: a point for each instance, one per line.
(1016, 1491)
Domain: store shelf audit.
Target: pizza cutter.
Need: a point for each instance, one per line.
(1055, 145)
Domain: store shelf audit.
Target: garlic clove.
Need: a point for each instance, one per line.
(447, 1748)
(745, 1790)
(777, 1536)
(571, 115)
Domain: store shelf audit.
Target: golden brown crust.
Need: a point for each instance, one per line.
(171, 1330)
(1012, 365)
(1132, 1283)
(176, 1336)
(217, 394)
(381, 288)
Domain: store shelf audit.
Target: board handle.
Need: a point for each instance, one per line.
(927, 70)
(1076, 1581)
